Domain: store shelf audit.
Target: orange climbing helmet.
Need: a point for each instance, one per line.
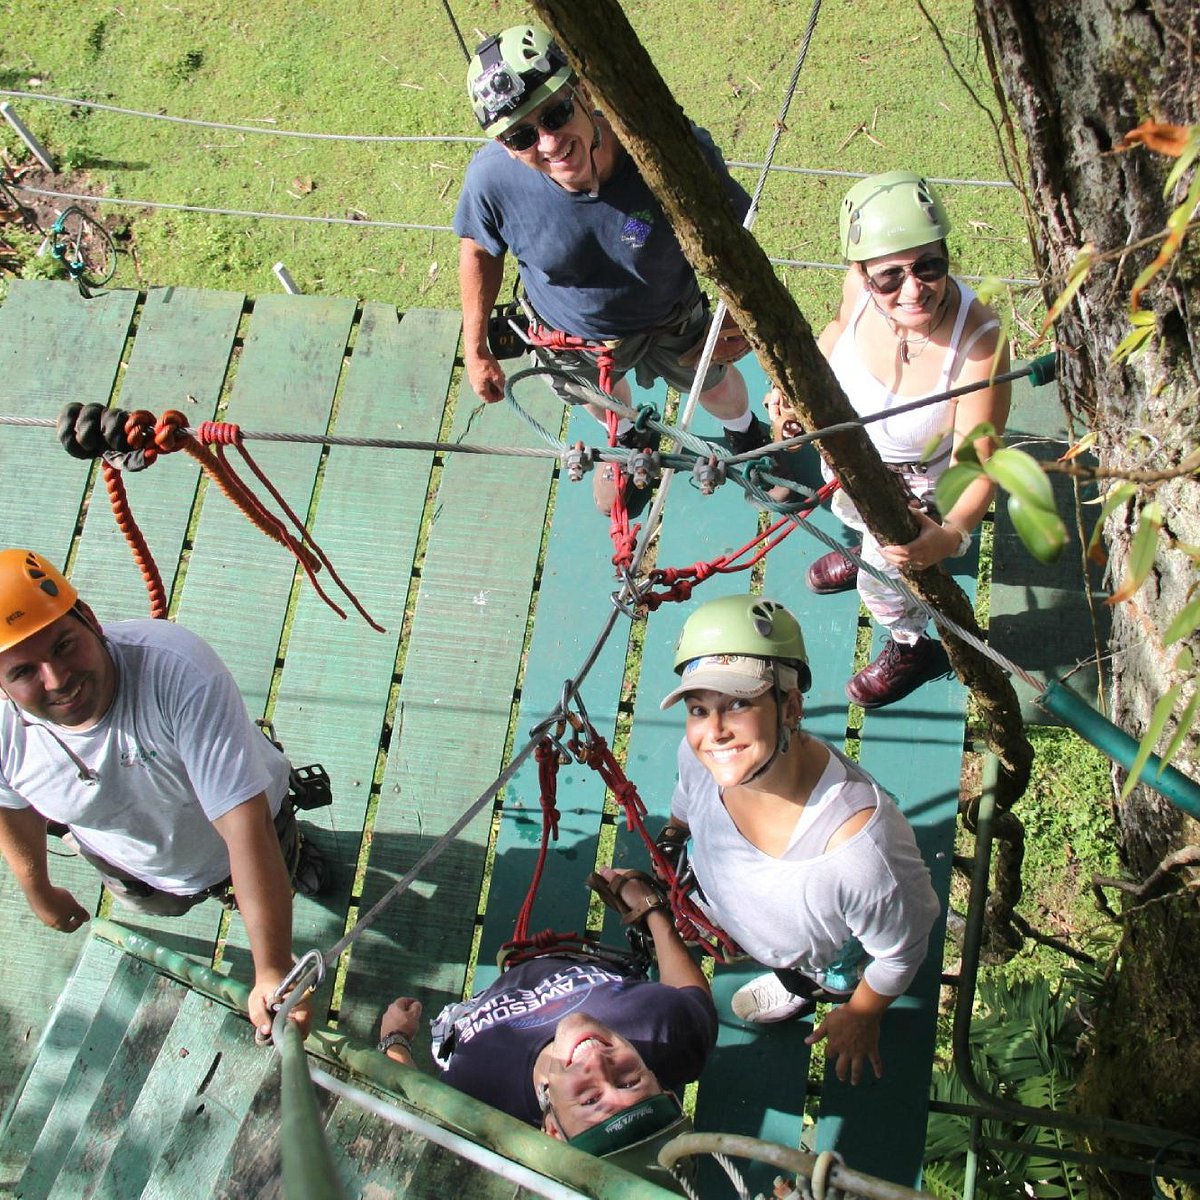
(34, 593)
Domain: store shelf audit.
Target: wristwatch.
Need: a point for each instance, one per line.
(395, 1039)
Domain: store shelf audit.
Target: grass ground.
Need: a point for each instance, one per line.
(876, 93)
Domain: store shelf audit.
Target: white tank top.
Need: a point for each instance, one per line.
(903, 439)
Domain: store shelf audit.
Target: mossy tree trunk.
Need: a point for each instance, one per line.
(1077, 76)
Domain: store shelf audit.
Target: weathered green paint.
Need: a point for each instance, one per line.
(1040, 615)
(456, 693)
(55, 349)
(573, 605)
(178, 360)
(308, 1169)
(83, 1081)
(337, 675)
(914, 748)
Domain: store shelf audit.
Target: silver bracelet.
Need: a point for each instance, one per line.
(395, 1039)
(964, 539)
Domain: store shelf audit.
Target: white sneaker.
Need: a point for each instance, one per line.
(765, 1000)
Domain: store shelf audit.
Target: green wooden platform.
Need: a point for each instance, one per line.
(429, 713)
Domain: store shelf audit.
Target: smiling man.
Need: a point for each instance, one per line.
(597, 257)
(133, 742)
(590, 1053)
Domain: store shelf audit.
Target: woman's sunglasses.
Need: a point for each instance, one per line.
(524, 137)
(931, 269)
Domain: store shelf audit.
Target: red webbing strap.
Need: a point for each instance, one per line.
(690, 922)
(624, 538)
(683, 580)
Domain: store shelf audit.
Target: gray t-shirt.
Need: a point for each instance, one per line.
(807, 908)
(175, 751)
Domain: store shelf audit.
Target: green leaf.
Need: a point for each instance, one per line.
(1181, 731)
(1043, 533)
(1019, 473)
(1186, 621)
(966, 448)
(1190, 153)
(1141, 553)
(1135, 341)
(954, 482)
(1158, 721)
(1119, 494)
(1075, 277)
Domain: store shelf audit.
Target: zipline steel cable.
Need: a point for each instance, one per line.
(400, 139)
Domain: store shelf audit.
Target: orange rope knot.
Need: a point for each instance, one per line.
(170, 432)
(219, 433)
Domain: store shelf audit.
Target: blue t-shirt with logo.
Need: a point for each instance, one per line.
(500, 1032)
(598, 267)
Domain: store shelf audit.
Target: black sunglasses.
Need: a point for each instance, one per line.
(524, 137)
(931, 269)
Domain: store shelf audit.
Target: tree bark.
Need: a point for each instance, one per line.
(627, 87)
(1078, 75)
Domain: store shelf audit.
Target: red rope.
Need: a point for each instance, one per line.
(128, 525)
(624, 538)
(690, 922)
(683, 580)
(170, 435)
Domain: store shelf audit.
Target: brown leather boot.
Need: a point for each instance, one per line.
(833, 572)
(898, 670)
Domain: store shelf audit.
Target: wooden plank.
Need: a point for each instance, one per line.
(743, 1089)
(55, 348)
(117, 1151)
(86, 1076)
(86, 1168)
(455, 701)
(209, 1122)
(337, 676)
(377, 1159)
(1040, 615)
(879, 1126)
(573, 604)
(180, 355)
(182, 349)
(238, 581)
(51, 1055)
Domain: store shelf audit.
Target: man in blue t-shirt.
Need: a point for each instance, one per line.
(596, 255)
(588, 1052)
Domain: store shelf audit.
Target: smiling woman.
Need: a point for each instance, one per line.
(798, 854)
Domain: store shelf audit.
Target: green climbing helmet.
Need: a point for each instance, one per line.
(732, 642)
(884, 214)
(512, 73)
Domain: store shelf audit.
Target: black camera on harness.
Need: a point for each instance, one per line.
(308, 787)
(503, 340)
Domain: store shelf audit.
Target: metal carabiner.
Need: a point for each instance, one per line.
(287, 995)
